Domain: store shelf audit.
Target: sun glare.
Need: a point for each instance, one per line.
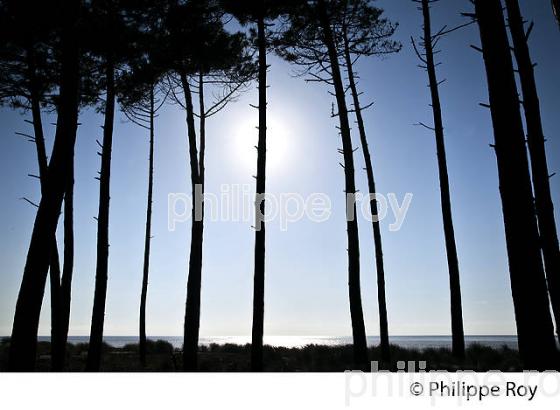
(278, 144)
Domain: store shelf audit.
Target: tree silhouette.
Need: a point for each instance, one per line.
(260, 13)
(213, 57)
(141, 97)
(535, 330)
(556, 9)
(429, 42)
(537, 153)
(26, 83)
(142, 109)
(110, 43)
(364, 33)
(30, 80)
(88, 94)
(60, 336)
(227, 78)
(310, 41)
(28, 308)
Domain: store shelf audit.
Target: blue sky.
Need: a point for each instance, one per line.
(306, 273)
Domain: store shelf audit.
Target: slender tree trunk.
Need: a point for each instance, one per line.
(532, 312)
(38, 134)
(202, 131)
(356, 311)
(458, 336)
(380, 268)
(26, 319)
(537, 153)
(192, 308)
(98, 316)
(148, 238)
(257, 332)
(54, 276)
(59, 346)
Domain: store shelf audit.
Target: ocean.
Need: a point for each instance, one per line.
(419, 342)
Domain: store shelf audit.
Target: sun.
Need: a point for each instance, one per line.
(278, 140)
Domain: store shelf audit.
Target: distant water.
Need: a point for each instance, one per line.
(418, 342)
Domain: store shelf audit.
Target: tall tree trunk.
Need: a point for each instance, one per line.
(257, 332)
(54, 266)
(148, 237)
(356, 311)
(39, 138)
(192, 308)
(381, 299)
(537, 153)
(458, 336)
(28, 308)
(532, 312)
(98, 316)
(61, 336)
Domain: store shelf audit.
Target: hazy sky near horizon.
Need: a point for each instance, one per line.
(306, 266)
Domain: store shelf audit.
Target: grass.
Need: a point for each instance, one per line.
(163, 357)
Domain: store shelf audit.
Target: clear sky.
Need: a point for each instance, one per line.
(306, 266)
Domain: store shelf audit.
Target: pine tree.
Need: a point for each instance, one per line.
(218, 58)
(259, 13)
(363, 32)
(141, 96)
(535, 330)
(310, 41)
(109, 43)
(427, 58)
(537, 153)
(28, 308)
(27, 83)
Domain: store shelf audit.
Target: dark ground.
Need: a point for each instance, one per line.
(162, 357)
